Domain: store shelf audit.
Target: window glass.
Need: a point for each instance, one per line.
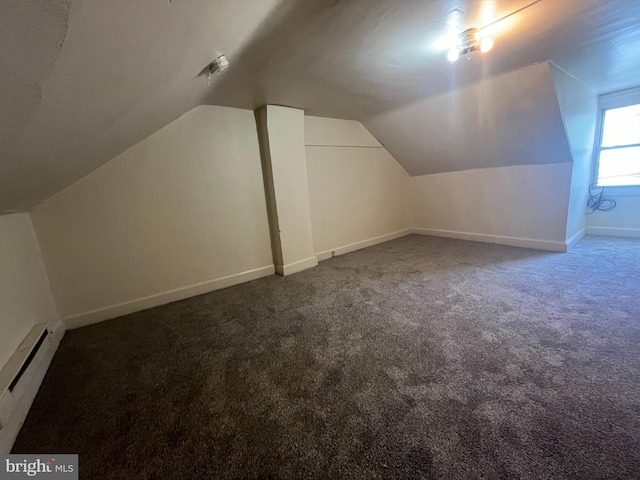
(621, 126)
(620, 166)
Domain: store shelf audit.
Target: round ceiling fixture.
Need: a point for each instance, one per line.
(217, 67)
(470, 41)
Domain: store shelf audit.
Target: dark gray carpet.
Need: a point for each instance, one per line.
(418, 358)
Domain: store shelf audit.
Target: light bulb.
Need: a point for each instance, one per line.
(454, 54)
(486, 44)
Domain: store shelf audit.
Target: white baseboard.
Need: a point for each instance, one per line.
(575, 239)
(352, 247)
(549, 245)
(14, 406)
(296, 267)
(614, 232)
(125, 308)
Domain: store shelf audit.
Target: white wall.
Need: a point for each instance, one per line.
(522, 205)
(490, 161)
(181, 213)
(623, 221)
(25, 299)
(579, 108)
(359, 194)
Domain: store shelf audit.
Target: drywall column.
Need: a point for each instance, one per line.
(579, 108)
(284, 163)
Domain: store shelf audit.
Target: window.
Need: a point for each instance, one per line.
(618, 148)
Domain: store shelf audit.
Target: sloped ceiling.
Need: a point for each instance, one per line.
(82, 80)
(511, 119)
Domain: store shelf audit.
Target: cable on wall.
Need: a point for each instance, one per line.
(598, 202)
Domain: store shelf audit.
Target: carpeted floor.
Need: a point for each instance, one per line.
(418, 358)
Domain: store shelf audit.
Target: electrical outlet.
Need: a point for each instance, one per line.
(333, 253)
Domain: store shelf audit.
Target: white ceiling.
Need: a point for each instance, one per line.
(82, 80)
(511, 119)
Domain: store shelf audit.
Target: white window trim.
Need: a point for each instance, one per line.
(608, 101)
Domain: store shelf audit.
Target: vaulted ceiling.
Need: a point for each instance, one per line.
(83, 80)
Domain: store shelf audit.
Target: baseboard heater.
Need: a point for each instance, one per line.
(22, 358)
(28, 361)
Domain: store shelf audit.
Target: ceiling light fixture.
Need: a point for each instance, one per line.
(481, 39)
(218, 66)
(469, 42)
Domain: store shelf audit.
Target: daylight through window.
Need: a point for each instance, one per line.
(619, 149)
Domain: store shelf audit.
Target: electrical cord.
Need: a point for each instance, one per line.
(598, 202)
(510, 15)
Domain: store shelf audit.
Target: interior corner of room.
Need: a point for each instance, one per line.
(152, 154)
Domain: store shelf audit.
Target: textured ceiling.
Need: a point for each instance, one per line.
(355, 59)
(82, 80)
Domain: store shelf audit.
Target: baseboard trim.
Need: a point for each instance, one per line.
(352, 247)
(125, 308)
(614, 232)
(548, 245)
(575, 239)
(15, 405)
(296, 267)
